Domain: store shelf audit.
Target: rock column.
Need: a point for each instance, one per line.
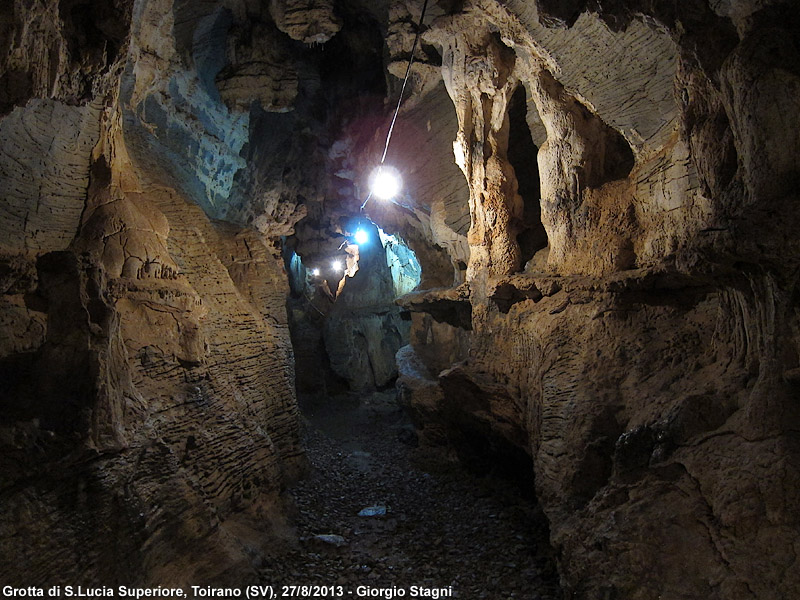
(478, 73)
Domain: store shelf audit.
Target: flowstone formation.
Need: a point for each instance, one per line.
(645, 360)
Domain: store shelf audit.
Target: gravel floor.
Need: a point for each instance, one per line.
(442, 527)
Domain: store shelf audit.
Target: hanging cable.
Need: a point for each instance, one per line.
(402, 90)
(405, 80)
(367, 200)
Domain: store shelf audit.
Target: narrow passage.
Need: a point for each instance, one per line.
(443, 525)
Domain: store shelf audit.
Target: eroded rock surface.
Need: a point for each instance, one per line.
(311, 22)
(149, 416)
(645, 360)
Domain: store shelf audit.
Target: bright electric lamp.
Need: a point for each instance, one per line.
(315, 272)
(385, 182)
(336, 265)
(361, 237)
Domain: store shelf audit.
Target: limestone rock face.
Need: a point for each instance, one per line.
(645, 360)
(149, 415)
(59, 49)
(311, 22)
(620, 66)
(258, 71)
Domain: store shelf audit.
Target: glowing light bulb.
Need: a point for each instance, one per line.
(315, 272)
(385, 182)
(361, 237)
(336, 265)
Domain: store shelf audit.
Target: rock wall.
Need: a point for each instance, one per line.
(647, 364)
(149, 415)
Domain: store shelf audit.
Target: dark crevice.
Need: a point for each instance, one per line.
(353, 59)
(92, 29)
(16, 87)
(618, 158)
(507, 295)
(457, 313)
(522, 154)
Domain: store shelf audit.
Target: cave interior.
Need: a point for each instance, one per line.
(562, 360)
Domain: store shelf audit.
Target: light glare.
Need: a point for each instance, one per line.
(315, 272)
(385, 183)
(361, 237)
(336, 265)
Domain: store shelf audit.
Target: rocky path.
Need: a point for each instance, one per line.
(442, 527)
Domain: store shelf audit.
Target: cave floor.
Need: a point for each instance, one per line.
(443, 525)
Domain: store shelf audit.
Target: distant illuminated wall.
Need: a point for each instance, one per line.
(406, 270)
